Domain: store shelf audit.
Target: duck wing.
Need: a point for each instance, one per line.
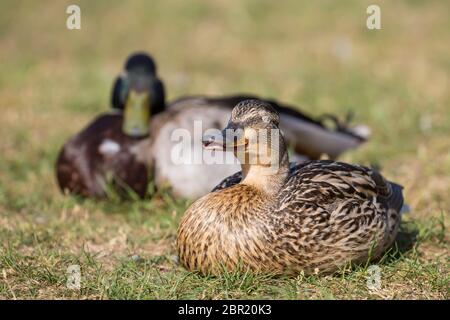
(229, 181)
(79, 158)
(328, 181)
(347, 209)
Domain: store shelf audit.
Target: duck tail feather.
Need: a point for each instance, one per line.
(396, 200)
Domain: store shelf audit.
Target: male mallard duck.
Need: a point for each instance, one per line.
(318, 215)
(123, 146)
(113, 146)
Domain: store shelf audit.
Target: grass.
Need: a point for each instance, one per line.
(317, 55)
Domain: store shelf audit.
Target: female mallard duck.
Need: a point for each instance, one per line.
(318, 215)
(123, 147)
(113, 146)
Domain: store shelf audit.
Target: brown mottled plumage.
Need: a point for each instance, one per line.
(83, 169)
(315, 215)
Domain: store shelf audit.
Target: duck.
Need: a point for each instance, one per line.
(133, 144)
(278, 217)
(110, 152)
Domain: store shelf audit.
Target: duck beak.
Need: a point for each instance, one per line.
(137, 114)
(214, 141)
(228, 139)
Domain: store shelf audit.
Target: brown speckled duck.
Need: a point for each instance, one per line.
(274, 217)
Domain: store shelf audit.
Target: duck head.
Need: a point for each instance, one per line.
(138, 93)
(254, 136)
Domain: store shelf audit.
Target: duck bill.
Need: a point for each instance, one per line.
(137, 114)
(225, 140)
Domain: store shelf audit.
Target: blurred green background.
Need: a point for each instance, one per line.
(317, 55)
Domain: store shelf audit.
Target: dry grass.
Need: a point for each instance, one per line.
(317, 55)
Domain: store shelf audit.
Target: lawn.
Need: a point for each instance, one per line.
(317, 55)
